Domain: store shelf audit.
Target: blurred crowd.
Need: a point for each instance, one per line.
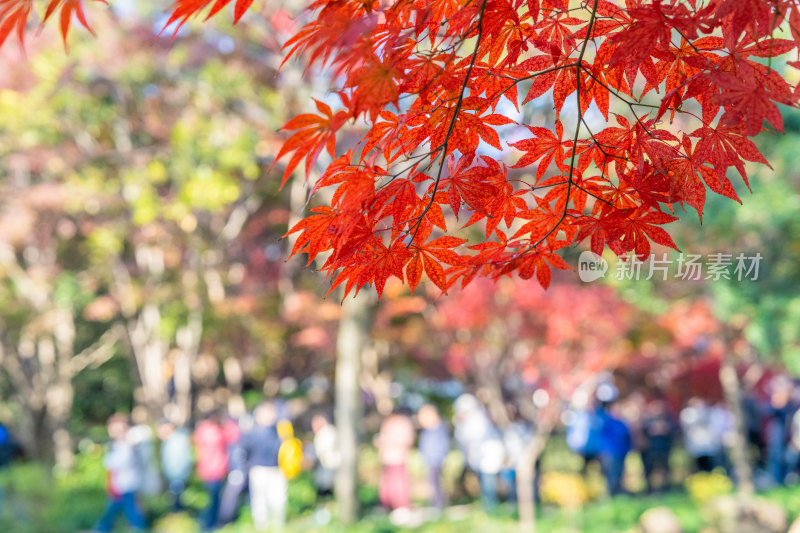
(608, 428)
(252, 458)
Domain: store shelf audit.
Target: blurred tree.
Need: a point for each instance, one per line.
(760, 315)
(766, 223)
(532, 349)
(44, 287)
(127, 187)
(352, 341)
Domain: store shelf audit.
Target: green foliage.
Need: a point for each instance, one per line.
(766, 223)
(154, 153)
(111, 382)
(367, 495)
(35, 500)
(302, 495)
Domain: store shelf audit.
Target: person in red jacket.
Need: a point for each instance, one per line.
(394, 443)
(211, 442)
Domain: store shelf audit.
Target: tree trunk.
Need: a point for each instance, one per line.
(58, 425)
(376, 381)
(148, 348)
(188, 341)
(52, 393)
(44, 390)
(353, 337)
(298, 195)
(59, 408)
(526, 475)
(234, 377)
(61, 394)
(732, 389)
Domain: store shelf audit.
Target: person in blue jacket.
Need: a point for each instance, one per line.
(583, 428)
(614, 441)
(268, 485)
(6, 453)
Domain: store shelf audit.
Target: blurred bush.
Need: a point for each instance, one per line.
(176, 523)
(37, 500)
(302, 495)
(564, 489)
(704, 486)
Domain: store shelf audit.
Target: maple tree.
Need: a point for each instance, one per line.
(654, 100)
(532, 350)
(141, 258)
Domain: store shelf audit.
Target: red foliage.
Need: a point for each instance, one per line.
(14, 15)
(183, 10)
(563, 335)
(428, 79)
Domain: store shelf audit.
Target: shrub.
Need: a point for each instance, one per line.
(564, 489)
(704, 486)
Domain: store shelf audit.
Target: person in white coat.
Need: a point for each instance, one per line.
(124, 478)
(481, 443)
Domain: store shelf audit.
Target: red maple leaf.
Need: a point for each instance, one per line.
(468, 185)
(68, 9)
(316, 132)
(186, 9)
(545, 146)
(14, 15)
(430, 256)
(632, 230)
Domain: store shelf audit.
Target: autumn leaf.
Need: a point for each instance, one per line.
(545, 147)
(68, 9)
(14, 15)
(634, 229)
(316, 132)
(186, 9)
(430, 256)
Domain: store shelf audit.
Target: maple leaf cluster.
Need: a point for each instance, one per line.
(654, 101)
(16, 14)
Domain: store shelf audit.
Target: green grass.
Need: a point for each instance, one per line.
(36, 500)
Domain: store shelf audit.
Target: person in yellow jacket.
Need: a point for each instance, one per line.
(290, 455)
